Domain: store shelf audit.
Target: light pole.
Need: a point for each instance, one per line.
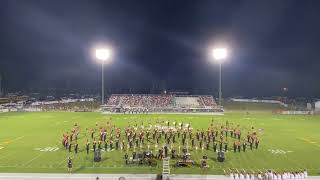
(103, 54)
(219, 55)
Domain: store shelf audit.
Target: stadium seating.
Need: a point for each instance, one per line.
(163, 102)
(140, 101)
(187, 101)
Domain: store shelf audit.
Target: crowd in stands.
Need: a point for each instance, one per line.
(208, 101)
(74, 106)
(113, 100)
(163, 103)
(146, 101)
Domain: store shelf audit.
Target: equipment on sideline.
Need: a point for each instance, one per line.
(97, 155)
(220, 157)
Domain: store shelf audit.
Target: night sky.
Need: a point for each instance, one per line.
(273, 44)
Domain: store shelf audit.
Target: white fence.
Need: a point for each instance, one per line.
(297, 112)
(260, 101)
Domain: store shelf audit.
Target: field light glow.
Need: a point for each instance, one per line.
(219, 54)
(103, 54)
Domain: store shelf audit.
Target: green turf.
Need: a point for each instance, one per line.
(21, 133)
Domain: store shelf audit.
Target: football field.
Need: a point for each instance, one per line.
(31, 142)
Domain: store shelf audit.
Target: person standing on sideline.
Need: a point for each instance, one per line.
(69, 165)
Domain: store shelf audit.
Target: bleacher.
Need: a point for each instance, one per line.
(160, 103)
(188, 101)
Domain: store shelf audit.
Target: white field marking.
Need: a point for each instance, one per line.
(1, 148)
(36, 157)
(47, 149)
(16, 139)
(65, 121)
(64, 160)
(278, 151)
(309, 142)
(9, 154)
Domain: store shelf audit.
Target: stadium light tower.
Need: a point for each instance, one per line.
(103, 55)
(219, 55)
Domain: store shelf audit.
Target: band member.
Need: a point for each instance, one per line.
(198, 135)
(173, 153)
(166, 151)
(239, 145)
(105, 135)
(106, 146)
(63, 140)
(94, 144)
(234, 146)
(126, 158)
(220, 145)
(71, 136)
(76, 147)
(251, 144)
(244, 145)
(99, 145)
(137, 142)
(226, 146)
(87, 146)
(160, 156)
(69, 147)
(101, 135)
(134, 154)
(257, 143)
(92, 133)
(111, 145)
(117, 144)
(183, 140)
(66, 144)
(192, 142)
(239, 134)
(69, 165)
(123, 147)
(215, 146)
(234, 133)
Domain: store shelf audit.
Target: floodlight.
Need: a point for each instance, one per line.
(219, 54)
(103, 54)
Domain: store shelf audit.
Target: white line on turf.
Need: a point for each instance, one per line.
(33, 158)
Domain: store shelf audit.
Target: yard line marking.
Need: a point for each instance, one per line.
(10, 141)
(9, 154)
(309, 141)
(64, 160)
(33, 159)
